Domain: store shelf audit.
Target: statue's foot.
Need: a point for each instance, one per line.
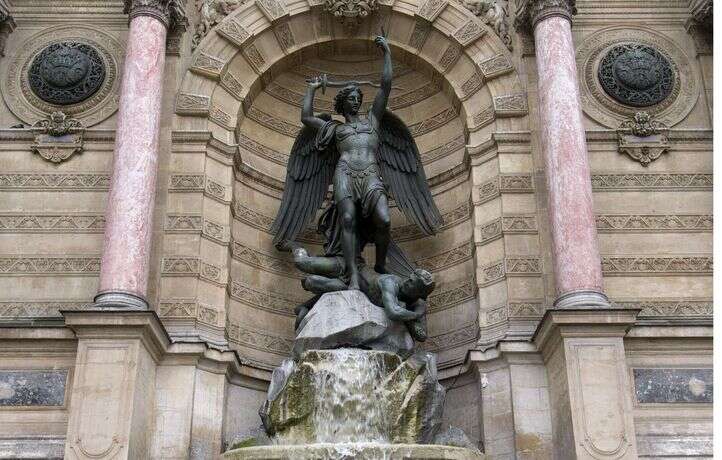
(353, 284)
(299, 253)
(380, 269)
(418, 329)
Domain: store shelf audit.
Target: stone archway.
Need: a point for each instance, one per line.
(238, 88)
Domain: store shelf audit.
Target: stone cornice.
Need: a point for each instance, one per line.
(530, 12)
(169, 12)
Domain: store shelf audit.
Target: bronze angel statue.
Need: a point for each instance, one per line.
(367, 158)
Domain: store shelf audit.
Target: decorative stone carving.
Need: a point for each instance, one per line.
(636, 74)
(170, 12)
(622, 69)
(66, 73)
(70, 68)
(529, 12)
(495, 14)
(212, 12)
(7, 25)
(58, 137)
(350, 12)
(642, 138)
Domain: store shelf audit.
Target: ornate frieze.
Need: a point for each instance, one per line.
(495, 14)
(169, 12)
(272, 122)
(450, 56)
(284, 35)
(472, 84)
(232, 85)
(205, 64)
(453, 256)
(669, 307)
(49, 265)
(465, 334)
(510, 266)
(445, 297)
(419, 33)
(433, 122)
(40, 308)
(505, 183)
(183, 223)
(52, 223)
(55, 181)
(443, 150)
(468, 33)
(267, 262)
(650, 266)
(494, 66)
(431, 9)
(607, 223)
(272, 9)
(264, 300)
(529, 12)
(258, 340)
(624, 182)
(643, 138)
(186, 182)
(510, 105)
(524, 309)
(192, 104)
(254, 57)
(177, 308)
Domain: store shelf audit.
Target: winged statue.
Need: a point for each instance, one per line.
(368, 159)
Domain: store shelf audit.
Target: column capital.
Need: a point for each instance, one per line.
(7, 25)
(170, 12)
(530, 12)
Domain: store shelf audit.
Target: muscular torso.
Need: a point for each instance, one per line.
(357, 143)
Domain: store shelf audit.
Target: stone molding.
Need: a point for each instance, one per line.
(655, 266)
(171, 13)
(510, 266)
(449, 295)
(193, 266)
(264, 300)
(530, 12)
(49, 265)
(609, 223)
(454, 256)
(52, 223)
(70, 181)
(258, 340)
(40, 308)
(465, 334)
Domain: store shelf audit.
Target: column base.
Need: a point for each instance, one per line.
(118, 300)
(582, 299)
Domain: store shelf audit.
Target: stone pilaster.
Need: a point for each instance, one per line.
(111, 413)
(575, 251)
(589, 385)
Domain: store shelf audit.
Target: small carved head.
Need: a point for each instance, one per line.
(421, 283)
(348, 100)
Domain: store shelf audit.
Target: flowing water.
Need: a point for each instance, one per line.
(348, 397)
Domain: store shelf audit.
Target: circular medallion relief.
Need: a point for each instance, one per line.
(636, 74)
(66, 73)
(72, 69)
(624, 69)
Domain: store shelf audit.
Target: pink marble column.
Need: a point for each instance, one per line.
(129, 214)
(577, 264)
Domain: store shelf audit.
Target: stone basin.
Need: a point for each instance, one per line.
(353, 451)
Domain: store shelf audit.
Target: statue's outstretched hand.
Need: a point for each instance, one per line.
(382, 43)
(315, 82)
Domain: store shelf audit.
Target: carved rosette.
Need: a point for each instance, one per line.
(530, 12)
(169, 12)
(350, 12)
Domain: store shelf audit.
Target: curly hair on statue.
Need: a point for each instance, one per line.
(341, 96)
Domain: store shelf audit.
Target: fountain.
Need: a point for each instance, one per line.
(346, 395)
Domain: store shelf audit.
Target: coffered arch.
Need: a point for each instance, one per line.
(238, 84)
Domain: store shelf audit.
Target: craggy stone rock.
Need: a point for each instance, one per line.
(348, 319)
(376, 397)
(455, 437)
(416, 400)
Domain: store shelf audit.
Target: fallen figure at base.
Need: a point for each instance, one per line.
(403, 298)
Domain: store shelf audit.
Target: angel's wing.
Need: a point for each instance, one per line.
(404, 175)
(308, 175)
